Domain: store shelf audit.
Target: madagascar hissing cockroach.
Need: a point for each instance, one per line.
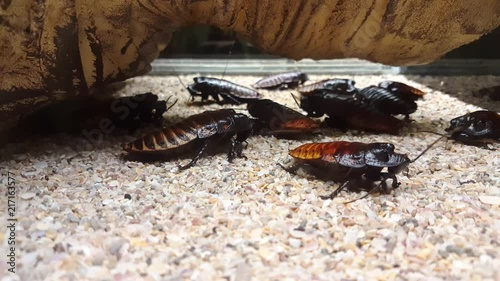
(127, 112)
(357, 165)
(288, 80)
(386, 101)
(89, 113)
(230, 92)
(196, 132)
(403, 90)
(347, 111)
(340, 85)
(491, 92)
(276, 119)
(476, 128)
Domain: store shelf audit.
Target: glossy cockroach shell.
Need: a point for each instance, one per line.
(281, 80)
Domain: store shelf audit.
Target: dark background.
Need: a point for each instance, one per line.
(209, 42)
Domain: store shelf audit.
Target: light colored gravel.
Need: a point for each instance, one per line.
(251, 220)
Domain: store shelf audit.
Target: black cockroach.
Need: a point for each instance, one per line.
(128, 112)
(387, 101)
(403, 90)
(340, 85)
(288, 80)
(357, 165)
(476, 128)
(230, 92)
(196, 132)
(347, 111)
(491, 92)
(276, 119)
(79, 114)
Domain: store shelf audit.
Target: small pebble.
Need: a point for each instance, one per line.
(27, 195)
(491, 200)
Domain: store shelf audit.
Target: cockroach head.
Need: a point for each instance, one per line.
(403, 160)
(459, 122)
(199, 79)
(303, 77)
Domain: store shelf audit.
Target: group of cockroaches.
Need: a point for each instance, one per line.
(358, 166)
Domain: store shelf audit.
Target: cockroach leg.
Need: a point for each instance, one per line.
(197, 157)
(336, 191)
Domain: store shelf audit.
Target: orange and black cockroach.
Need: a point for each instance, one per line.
(195, 133)
(282, 81)
(340, 85)
(348, 112)
(276, 119)
(358, 166)
(230, 92)
(476, 128)
(386, 101)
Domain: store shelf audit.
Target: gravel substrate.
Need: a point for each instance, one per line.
(84, 213)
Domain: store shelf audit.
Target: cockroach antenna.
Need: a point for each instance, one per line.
(228, 56)
(295, 99)
(168, 108)
(428, 147)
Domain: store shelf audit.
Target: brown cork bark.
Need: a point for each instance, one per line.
(55, 48)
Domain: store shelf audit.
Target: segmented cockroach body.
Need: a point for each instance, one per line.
(288, 80)
(346, 111)
(477, 128)
(276, 119)
(403, 90)
(358, 165)
(340, 85)
(386, 101)
(230, 92)
(196, 132)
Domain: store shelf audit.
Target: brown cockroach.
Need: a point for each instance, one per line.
(230, 92)
(340, 85)
(288, 80)
(357, 165)
(276, 119)
(196, 132)
(476, 128)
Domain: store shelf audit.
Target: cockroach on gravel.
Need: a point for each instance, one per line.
(88, 113)
(288, 80)
(340, 85)
(387, 101)
(357, 165)
(196, 132)
(476, 128)
(127, 112)
(230, 92)
(347, 111)
(276, 119)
